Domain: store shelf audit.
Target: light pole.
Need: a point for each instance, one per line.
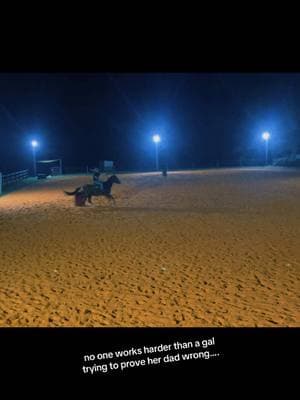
(266, 137)
(156, 140)
(34, 145)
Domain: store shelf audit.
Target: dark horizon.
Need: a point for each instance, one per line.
(202, 118)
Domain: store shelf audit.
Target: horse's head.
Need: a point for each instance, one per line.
(114, 179)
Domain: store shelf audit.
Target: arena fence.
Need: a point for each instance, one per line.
(12, 178)
(49, 167)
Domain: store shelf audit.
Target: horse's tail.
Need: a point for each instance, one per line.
(72, 193)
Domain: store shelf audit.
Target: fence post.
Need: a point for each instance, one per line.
(0, 183)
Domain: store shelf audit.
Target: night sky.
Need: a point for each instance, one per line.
(201, 117)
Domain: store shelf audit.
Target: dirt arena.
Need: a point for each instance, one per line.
(198, 248)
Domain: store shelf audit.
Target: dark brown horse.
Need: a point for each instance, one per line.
(86, 192)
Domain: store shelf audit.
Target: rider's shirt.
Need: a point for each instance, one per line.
(97, 181)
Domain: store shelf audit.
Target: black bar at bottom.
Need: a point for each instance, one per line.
(98, 353)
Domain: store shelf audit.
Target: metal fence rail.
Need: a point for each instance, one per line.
(12, 178)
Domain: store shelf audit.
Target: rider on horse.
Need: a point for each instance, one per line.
(96, 179)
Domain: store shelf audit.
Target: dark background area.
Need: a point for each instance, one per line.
(203, 118)
(248, 355)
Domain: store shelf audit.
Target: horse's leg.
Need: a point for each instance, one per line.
(111, 198)
(90, 199)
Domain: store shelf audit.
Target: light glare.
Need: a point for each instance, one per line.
(266, 135)
(156, 138)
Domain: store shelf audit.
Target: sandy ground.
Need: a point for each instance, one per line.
(198, 248)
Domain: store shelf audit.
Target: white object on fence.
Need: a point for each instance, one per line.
(108, 165)
(55, 171)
